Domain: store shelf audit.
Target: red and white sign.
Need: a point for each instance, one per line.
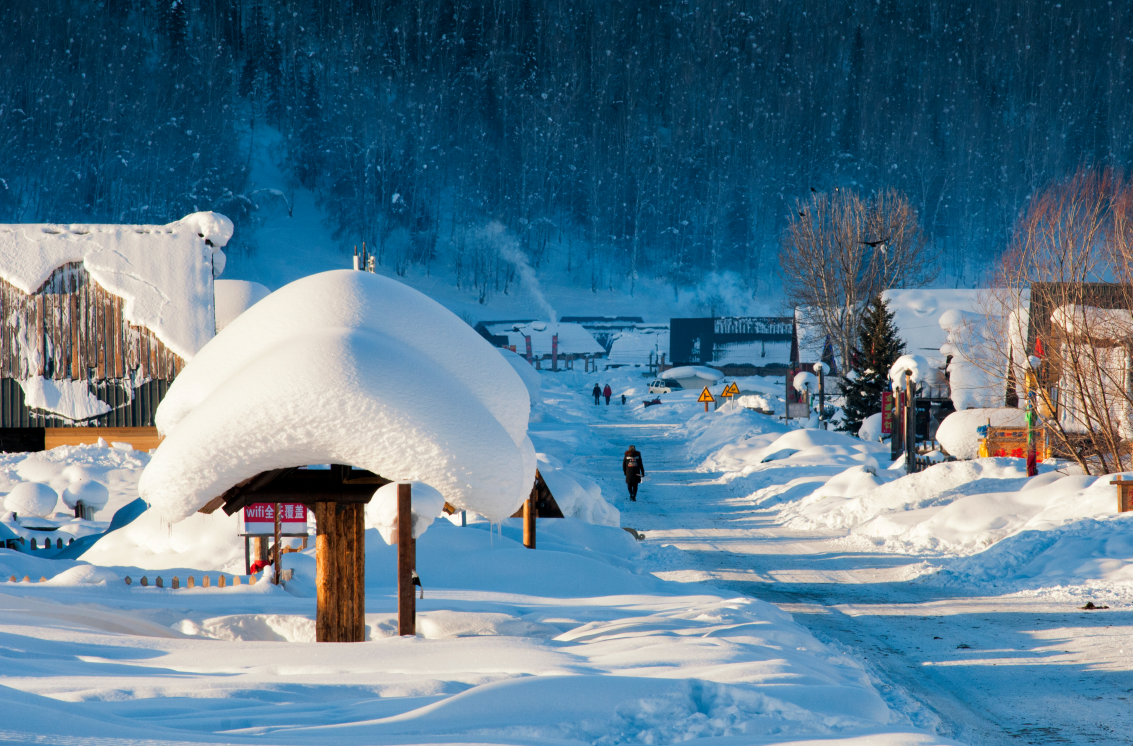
(259, 519)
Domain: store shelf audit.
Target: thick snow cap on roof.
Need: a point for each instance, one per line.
(164, 273)
(346, 367)
(711, 375)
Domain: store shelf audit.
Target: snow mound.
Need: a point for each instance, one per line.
(234, 297)
(251, 628)
(957, 434)
(871, 428)
(164, 273)
(346, 367)
(709, 375)
(444, 624)
(205, 542)
(31, 499)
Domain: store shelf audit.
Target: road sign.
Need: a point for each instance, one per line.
(259, 519)
(706, 396)
(727, 392)
(732, 390)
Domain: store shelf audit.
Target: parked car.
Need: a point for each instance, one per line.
(661, 386)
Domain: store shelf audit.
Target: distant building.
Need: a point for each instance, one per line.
(548, 340)
(736, 345)
(628, 340)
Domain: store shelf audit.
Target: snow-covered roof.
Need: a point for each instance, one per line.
(163, 273)
(234, 297)
(333, 369)
(636, 345)
(573, 338)
(917, 315)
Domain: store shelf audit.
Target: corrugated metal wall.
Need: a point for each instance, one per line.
(127, 411)
(72, 329)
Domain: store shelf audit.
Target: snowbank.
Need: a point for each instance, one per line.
(576, 495)
(234, 297)
(335, 368)
(958, 436)
(934, 487)
(208, 542)
(871, 428)
(164, 273)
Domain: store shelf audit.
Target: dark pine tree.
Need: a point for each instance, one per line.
(877, 349)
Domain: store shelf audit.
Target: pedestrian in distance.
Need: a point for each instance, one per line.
(607, 392)
(634, 469)
(623, 400)
(596, 393)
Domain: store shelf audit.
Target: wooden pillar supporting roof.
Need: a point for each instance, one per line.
(338, 496)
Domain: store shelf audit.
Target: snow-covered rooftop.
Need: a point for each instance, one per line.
(164, 273)
(573, 338)
(917, 315)
(333, 369)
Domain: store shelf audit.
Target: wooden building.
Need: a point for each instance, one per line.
(96, 321)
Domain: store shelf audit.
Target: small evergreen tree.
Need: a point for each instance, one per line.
(877, 349)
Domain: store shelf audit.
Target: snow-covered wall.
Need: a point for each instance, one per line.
(163, 273)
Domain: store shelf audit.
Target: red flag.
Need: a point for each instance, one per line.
(1039, 352)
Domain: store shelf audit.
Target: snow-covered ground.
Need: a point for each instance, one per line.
(790, 588)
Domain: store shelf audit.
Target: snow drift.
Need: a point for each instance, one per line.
(346, 367)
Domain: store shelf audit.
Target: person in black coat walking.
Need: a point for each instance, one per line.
(634, 469)
(596, 393)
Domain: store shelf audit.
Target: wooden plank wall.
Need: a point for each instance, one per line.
(72, 329)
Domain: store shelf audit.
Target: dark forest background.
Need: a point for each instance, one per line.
(614, 140)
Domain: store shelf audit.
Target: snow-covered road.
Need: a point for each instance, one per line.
(1019, 668)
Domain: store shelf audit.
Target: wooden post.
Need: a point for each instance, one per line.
(324, 572)
(1124, 494)
(277, 556)
(910, 424)
(259, 548)
(406, 603)
(530, 513)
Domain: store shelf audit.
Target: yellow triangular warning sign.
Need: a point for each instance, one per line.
(733, 389)
(706, 396)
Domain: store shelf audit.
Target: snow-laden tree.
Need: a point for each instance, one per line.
(878, 347)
